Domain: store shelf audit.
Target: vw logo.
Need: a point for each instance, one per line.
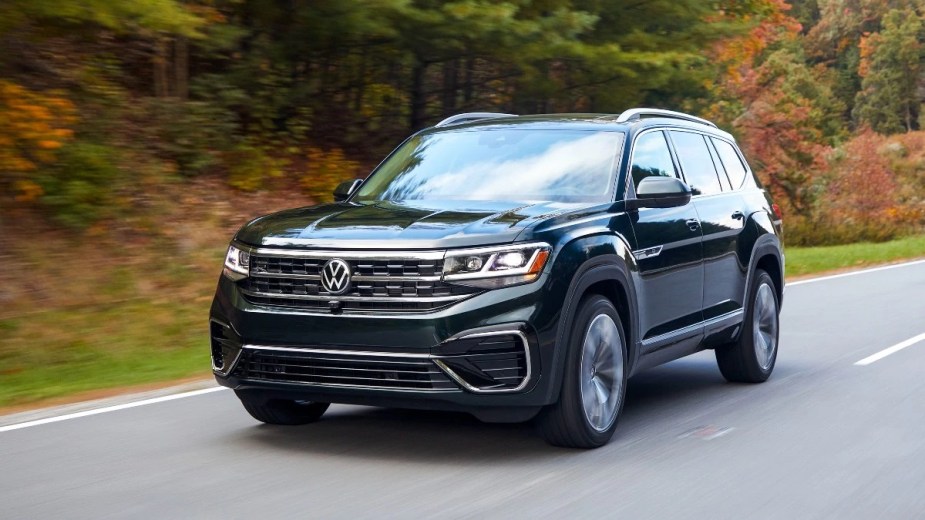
(335, 276)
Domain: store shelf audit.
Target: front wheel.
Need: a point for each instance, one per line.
(281, 411)
(751, 359)
(594, 384)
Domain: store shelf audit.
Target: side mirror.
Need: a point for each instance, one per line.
(660, 192)
(344, 190)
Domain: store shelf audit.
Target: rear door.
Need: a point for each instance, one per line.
(721, 213)
(668, 253)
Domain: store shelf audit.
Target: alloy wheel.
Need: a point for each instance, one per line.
(602, 376)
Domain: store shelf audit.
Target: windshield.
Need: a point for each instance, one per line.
(499, 164)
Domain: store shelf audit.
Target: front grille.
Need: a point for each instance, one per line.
(358, 370)
(377, 284)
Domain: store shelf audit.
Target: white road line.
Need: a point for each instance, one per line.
(117, 407)
(891, 350)
(855, 273)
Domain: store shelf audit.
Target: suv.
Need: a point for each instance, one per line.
(509, 267)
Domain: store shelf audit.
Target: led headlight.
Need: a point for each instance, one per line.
(237, 263)
(494, 267)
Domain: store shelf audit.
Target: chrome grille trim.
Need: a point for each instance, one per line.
(382, 282)
(337, 352)
(387, 371)
(347, 254)
(357, 278)
(381, 299)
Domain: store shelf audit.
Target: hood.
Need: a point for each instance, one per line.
(400, 225)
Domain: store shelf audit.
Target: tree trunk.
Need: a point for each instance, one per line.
(450, 87)
(159, 62)
(361, 84)
(908, 116)
(467, 82)
(418, 96)
(181, 67)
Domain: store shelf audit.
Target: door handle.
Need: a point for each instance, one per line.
(738, 215)
(693, 224)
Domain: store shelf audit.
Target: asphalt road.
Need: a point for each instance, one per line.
(824, 438)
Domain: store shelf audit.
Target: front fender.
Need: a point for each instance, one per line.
(581, 263)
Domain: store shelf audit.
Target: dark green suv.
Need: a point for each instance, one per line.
(509, 267)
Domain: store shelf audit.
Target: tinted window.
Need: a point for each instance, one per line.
(723, 178)
(731, 161)
(651, 157)
(499, 164)
(696, 162)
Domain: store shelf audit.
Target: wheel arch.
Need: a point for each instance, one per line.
(608, 273)
(767, 255)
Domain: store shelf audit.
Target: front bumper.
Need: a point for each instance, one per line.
(431, 347)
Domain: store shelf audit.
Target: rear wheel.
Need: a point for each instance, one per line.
(594, 384)
(281, 411)
(751, 359)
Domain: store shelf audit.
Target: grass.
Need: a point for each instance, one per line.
(57, 353)
(155, 327)
(811, 260)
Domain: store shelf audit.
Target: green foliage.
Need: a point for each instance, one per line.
(265, 93)
(80, 188)
(192, 135)
(157, 16)
(251, 168)
(891, 66)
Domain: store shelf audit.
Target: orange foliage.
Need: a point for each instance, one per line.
(32, 126)
(764, 96)
(864, 185)
(866, 46)
(738, 54)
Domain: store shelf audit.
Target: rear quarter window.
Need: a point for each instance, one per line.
(731, 162)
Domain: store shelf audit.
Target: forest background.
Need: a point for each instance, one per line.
(137, 135)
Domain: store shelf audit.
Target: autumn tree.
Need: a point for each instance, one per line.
(33, 127)
(783, 109)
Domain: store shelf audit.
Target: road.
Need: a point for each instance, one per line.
(824, 438)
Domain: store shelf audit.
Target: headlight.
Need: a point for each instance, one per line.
(237, 263)
(494, 267)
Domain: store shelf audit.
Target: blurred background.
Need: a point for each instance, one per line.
(137, 135)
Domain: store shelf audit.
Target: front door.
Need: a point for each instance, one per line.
(669, 254)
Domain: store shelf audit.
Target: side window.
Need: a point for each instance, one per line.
(696, 162)
(731, 161)
(651, 157)
(723, 178)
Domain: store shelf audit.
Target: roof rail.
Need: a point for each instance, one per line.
(637, 113)
(471, 116)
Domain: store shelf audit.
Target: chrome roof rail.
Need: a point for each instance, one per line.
(471, 116)
(637, 113)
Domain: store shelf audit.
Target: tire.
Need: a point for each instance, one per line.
(595, 365)
(281, 411)
(751, 359)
